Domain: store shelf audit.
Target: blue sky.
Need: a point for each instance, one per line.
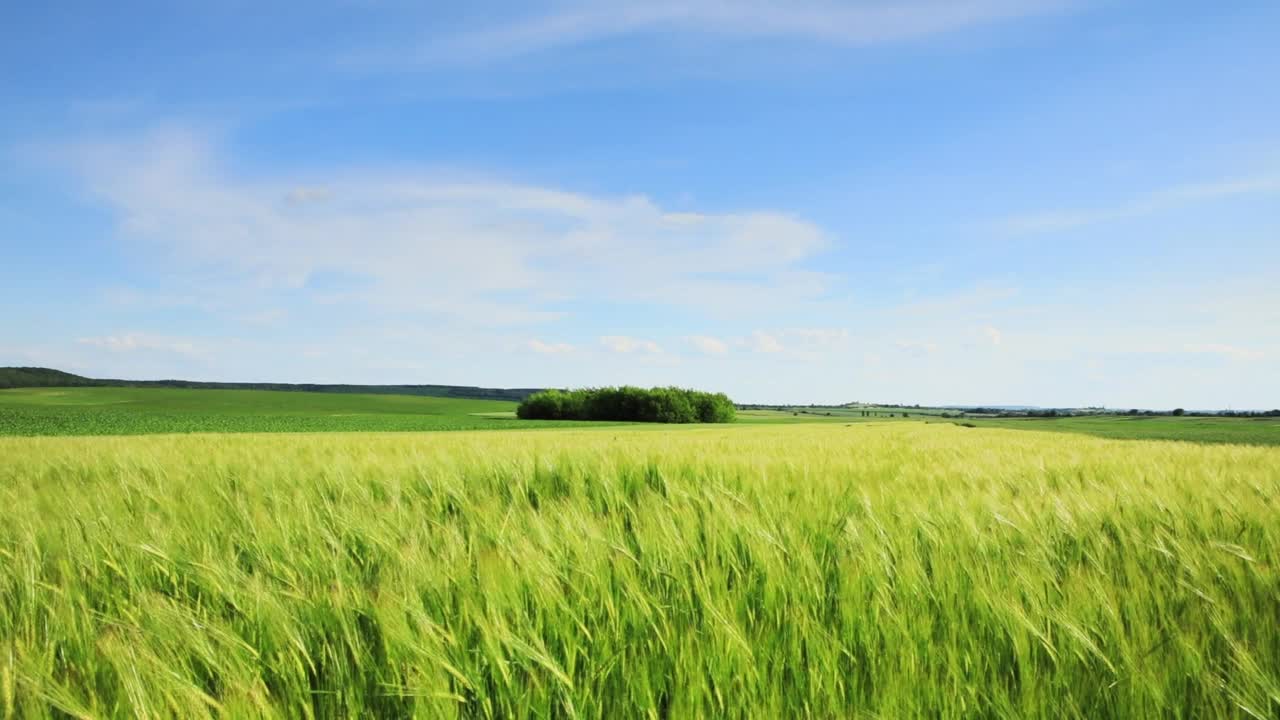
(1051, 202)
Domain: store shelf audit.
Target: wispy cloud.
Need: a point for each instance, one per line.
(301, 195)
(917, 347)
(1147, 204)
(708, 345)
(268, 317)
(134, 341)
(476, 251)
(853, 22)
(796, 342)
(1232, 351)
(628, 345)
(816, 339)
(763, 342)
(545, 348)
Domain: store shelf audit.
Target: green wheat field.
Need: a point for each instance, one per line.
(825, 570)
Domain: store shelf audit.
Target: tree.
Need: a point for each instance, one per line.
(631, 404)
(1179, 412)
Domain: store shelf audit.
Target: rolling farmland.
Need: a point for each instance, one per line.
(138, 411)
(565, 359)
(1249, 431)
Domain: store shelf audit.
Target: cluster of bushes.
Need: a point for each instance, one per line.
(633, 404)
(1251, 413)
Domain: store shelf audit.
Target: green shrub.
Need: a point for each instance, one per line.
(631, 404)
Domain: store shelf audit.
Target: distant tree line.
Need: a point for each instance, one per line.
(630, 404)
(24, 377)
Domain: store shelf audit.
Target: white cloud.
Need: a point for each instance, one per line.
(546, 348)
(855, 23)
(267, 317)
(816, 338)
(994, 335)
(763, 342)
(1068, 352)
(1147, 204)
(301, 195)
(459, 248)
(436, 258)
(628, 345)
(797, 342)
(1232, 351)
(133, 341)
(917, 347)
(708, 345)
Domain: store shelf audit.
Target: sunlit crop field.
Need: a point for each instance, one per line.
(145, 411)
(875, 570)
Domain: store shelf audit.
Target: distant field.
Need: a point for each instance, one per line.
(140, 411)
(1245, 431)
(842, 413)
(789, 417)
(1248, 431)
(875, 570)
(136, 411)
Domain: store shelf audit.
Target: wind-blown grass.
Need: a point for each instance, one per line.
(895, 570)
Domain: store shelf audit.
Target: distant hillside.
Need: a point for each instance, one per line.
(21, 377)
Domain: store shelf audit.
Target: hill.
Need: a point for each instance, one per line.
(23, 377)
(31, 377)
